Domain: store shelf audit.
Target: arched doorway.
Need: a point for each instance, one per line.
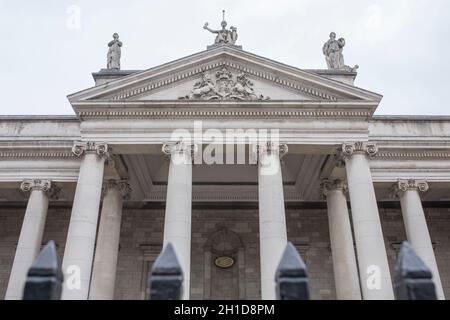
(224, 266)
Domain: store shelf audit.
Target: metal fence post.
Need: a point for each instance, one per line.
(166, 276)
(44, 278)
(291, 276)
(413, 279)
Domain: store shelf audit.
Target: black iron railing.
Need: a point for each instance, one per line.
(412, 280)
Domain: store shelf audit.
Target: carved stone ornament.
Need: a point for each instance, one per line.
(122, 186)
(36, 184)
(270, 147)
(348, 149)
(411, 184)
(179, 147)
(224, 88)
(80, 148)
(330, 185)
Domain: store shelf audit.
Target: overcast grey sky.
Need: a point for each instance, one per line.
(401, 46)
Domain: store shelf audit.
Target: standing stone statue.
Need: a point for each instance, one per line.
(224, 36)
(114, 53)
(233, 35)
(333, 51)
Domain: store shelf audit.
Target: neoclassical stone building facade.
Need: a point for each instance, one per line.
(113, 184)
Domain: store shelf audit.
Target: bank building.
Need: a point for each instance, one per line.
(227, 156)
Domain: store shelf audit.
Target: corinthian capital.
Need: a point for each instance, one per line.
(36, 184)
(270, 147)
(331, 185)
(404, 185)
(122, 186)
(170, 148)
(80, 148)
(349, 149)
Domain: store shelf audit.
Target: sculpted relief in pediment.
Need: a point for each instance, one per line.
(225, 87)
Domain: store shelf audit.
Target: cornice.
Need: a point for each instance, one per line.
(174, 109)
(176, 103)
(38, 118)
(180, 76)
(19, 153)
(39, 148)
(413, 155)
(223, 114)
(411, 118)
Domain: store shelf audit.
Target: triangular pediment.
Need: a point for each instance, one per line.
(224, 73)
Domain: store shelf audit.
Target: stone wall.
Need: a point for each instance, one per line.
(308, 231)
(10, 225)
(439, 228)
(142, 234)
(141, 239)
(140, 243)
(438, 221)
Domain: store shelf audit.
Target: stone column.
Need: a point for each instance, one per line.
(416, 226)
(272, 220)
(79, 250)
(342, 248)
(373, 264)
(177, 221)
(107, 248)
(30, 238)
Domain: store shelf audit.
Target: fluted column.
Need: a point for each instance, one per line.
(30, 238)
(341, 238)
(177, 221)
(373, 264)
(79, 250)
(272, 220)
(107, 247)
(416, 225)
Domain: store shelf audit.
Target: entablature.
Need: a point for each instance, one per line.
(228, 110)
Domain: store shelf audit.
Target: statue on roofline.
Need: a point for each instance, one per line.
(333, 51)
(114, 53)
(224, 36)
